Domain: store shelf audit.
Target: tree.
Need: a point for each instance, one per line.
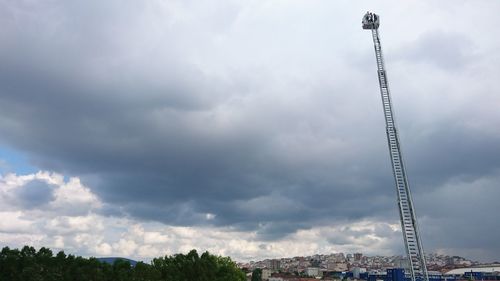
(30, 268)
(227, 270)
(145, 272)
(257, 274)
(10, 264)
(30, 265)
(122, 270)
(192, 267)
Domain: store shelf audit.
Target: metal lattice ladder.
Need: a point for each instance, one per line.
(413, 244)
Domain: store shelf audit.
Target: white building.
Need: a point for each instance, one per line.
(461, 271)
(266, 273)
(357, 271)
(314, 272)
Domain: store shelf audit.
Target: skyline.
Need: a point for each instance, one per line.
(251, 130)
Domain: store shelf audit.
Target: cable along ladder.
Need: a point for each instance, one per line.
(413, 244)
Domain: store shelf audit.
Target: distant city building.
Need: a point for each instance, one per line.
(401, 262)
(275, 265)
(463, 271)
(313, 272)
(349, 257)
(266, 273)
(356, 272)
(398, 274)
(338, 265)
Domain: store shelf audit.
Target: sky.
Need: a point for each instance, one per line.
(252, 129)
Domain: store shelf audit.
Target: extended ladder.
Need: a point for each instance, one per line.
(413, 244)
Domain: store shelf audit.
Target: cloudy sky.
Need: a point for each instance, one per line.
(247, 128)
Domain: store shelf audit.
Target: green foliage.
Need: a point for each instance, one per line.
(28, 264)
(257, 274)
(193, 267)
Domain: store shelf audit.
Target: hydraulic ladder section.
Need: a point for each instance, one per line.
(413, 244)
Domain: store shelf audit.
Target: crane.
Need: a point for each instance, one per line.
(409, 225)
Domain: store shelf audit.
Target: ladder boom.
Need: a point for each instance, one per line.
(411, 237)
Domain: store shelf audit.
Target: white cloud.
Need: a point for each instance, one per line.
(13, 222)
(59, 242)
(74, 195)
(104, 249)
(89, 233)
(92, 234)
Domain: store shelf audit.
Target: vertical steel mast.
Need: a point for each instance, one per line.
(413, 244)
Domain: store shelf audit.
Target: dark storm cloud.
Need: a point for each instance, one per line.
(35, 194)
(455, 148)
(176, 115)
(450, 211)
(152, 160)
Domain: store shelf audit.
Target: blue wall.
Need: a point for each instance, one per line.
(398, 274)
